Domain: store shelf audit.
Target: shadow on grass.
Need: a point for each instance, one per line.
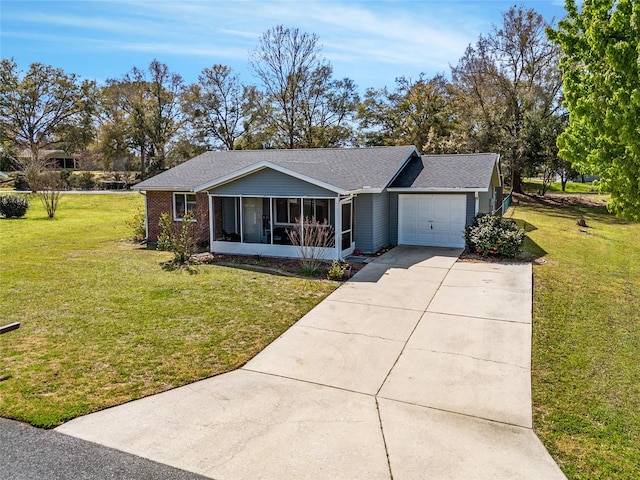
(595, 214)
(532, 249)
(171, 266)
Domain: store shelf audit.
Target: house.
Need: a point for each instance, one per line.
(57, 159)
(244, 202)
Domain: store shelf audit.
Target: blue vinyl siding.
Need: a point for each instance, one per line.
(271, 183)
(380, 232)
(363, 225)
(372, 222)
(471, 208)
(393, 218)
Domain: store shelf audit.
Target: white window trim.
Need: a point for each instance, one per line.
(175, 210)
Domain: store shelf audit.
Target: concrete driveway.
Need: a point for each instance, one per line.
(418, 368)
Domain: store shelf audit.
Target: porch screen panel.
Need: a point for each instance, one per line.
(227, 222)
(251, 220)
(346, 225)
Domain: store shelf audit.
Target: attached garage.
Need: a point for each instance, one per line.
(436, 196)
(435, 220)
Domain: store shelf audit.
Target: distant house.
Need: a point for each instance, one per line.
(58, 159)
(244, 201)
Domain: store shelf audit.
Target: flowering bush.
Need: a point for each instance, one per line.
(493, 235)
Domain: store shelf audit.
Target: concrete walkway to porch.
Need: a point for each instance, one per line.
(417, 368)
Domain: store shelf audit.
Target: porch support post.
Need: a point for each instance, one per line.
(477, 203)
(146, 215)
(211, 219)
(338, 228)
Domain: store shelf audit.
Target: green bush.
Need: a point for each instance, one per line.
(493, 235)
(86, 181)
(13, 206)
(337, 270)
(21, 183)
(138, 226)
(179, 240)
(166, 232)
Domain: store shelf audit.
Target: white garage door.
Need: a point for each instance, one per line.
(432, 220)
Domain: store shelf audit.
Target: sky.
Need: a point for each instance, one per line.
(371, 42)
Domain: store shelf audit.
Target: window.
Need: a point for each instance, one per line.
(183, 203)
(287, 210)
(318, 208)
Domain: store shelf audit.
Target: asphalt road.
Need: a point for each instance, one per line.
(29, 453)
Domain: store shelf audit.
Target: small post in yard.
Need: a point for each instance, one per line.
(10, 327)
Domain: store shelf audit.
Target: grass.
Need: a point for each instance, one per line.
(534, 185)
(103, 323)
(586, 339)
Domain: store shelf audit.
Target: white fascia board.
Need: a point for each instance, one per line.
(163, 189)
(437, 190)
(366, 190)
(497, 166)
(261, 165)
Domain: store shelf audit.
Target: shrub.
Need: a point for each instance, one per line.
(337, 270)
(20, 183)
(493, 235)
(311, 238)
(138, 226)
(178, 240)
(65, 179)
(166, 231)
(49, 186)
(13, 206)
(86, 181)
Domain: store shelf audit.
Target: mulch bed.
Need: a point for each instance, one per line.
(277, 265)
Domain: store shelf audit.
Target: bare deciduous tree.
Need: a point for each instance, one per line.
(308, 108)
(510, 82)
(218, 106)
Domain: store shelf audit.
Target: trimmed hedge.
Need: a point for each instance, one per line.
(13, 206)
(493, 235)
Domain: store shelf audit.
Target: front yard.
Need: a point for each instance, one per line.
(103, 323)
(586, 338)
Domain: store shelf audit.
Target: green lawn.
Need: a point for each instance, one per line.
(103, 323)
(534, 185)
(586, 339)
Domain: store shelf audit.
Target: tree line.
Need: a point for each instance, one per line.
(505, 95)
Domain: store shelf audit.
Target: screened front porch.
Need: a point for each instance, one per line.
(268, 225)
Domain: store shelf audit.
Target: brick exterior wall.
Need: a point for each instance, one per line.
(162, 202)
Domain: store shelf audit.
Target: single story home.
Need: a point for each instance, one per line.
(245, 201)
(57, 159)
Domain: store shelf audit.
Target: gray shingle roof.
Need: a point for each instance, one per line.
(465, 171)
(345, 168)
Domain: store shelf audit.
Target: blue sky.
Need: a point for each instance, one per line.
(371, 42)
